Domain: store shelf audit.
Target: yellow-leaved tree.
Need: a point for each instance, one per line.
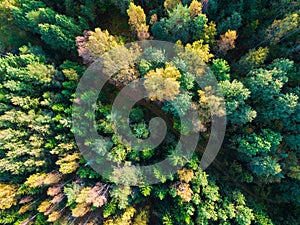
(162, 84)
(195, 8)
(68, 164)
(124, 219)
(137, 21)
(200, 49)
(227, 41)
(8, 195)
(100, 42)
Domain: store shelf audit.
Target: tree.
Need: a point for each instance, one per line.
(11, 36)
(8, 196)
(185, 175)
(200, 49)
(209, 32)
(58, 31)
(177, 23)
(119, 64)
(124, 219)
(288, 67)
(266, 87)
(196, 8)
(185, 23)
(35, 180)
(265, 166)
(54, 36)
(26, 121)
(221, 69)
(99, 42)
(137, 21)
(263, 152)
(253, 59)
(281, 28)
(168, 86)
(198, 26)
(160, 31)
(237, 110)
(68, 164)
(182, 104)
(210, 104)
(120, 194)
(142, 218)
(265, 143)
(185, 192)
(155, 58)
(122, 5)
(233, 22)
(227, 41)
(171, 4)
(136, 16)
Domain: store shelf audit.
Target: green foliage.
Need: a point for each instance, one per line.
(288, 67)
(264, 143)
(262, 153)
(11, 36)
(121, 195)
(155, 57)
(233, 22)
(255, 179)
(122, 5)
(179, 31)
(109, 209)
(221, 69)
(266, 87)
(265, 166)
(140, 130)
(181, 24)
(253, 59)
(87, 173)
(26, 122)
(179, 105)
(57, 31)
(146, 190)
(160, 31)
(136, 115)
(281, 28)
(235, 94)
(71, 191)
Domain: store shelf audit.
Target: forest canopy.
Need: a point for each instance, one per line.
(250, 47)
